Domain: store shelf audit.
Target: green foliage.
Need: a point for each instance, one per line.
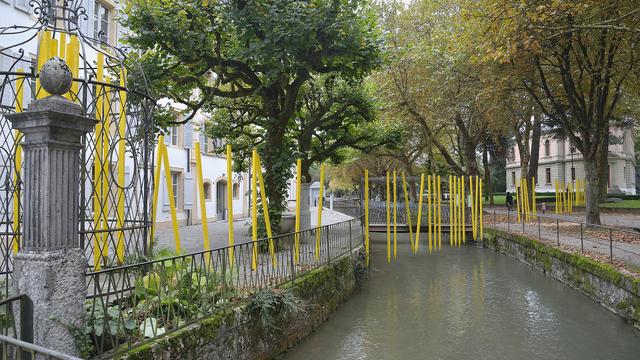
(269, 303)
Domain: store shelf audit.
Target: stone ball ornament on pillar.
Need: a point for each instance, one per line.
(55, 76)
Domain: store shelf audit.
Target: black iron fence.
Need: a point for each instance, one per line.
(604, 242)
(15, 349)
(131, 304)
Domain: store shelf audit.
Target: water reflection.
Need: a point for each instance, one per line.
(466, 303)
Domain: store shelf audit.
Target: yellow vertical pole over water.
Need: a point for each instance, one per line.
(395, 216)
(203, 205)
(473, 210)
(388, 219)
(481, 214)
(439, 213)
(296, 237)
(230, 236)
(464, 224)
(525, 197)
(429, 211)
(459, 182)
(320, 199)
(254, 212)
(450, 211)
(265, 210)
(172, 203)
(417, 241)
(18, 163)
(478, 202)
(366, 214)
(407, 209)
(454, 212)
(122, 129)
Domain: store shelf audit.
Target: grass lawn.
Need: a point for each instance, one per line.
(629, 204)
(498, 200)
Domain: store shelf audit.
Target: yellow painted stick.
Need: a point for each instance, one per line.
(320, 199)
(230, 236)
(407, 210)
(63, 46)
(254, 212)
(18, 163)
(388, 220)
(172, 203)
(463, 208)
(439, 197)
(395, 216)
(451, 217)
(98, 204)
(203, 205)
(417, 241)
(296, 254)
(429, 211)
(481, 214)
(366, 214)
(122, 129)
(156, 188)
(265, 210)
(73, 60)
(454, 213)
(105, 170)
(557, 204)
(473, 210)
(43, 52)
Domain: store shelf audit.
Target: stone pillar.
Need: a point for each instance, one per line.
(50, 267)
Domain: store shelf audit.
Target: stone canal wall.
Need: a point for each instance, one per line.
(620, 293)
(239, 334)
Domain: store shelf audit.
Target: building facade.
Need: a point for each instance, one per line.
(180, 140)
(560, 161)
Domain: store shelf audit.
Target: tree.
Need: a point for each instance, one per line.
(581, 72)
(255, 57)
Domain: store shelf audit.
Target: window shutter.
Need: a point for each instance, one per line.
(5, 64)
(202, 139)
(189, 187)
(86, 25)
(188, 136)
(23, 5)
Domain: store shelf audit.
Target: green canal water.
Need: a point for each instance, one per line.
(466, 303)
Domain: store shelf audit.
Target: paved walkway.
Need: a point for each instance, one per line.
(191, 236)
(614, 220)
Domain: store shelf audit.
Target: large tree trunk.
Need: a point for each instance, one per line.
(275, 177)
(603, 169)
(592, 207)
(488, 185)
(534, 156)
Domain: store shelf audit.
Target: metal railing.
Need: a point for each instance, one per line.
(131, 304)
(15, 349)
(603, 242)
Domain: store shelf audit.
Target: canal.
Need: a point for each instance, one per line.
(465, 303)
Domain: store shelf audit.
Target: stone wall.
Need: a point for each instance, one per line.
(236, 334)
(603, 283)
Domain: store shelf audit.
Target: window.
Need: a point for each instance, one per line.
(100, 22)
(547, 148)
(573, 174)
(513, 178)
(547, 175)
(207, 191)
(174, 179)
(173, 136)
(206, 148)
(236, 191)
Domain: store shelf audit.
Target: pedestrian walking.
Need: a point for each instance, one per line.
(509, 201)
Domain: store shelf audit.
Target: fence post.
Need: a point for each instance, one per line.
(26, 324)
(494, 219)
(50, 267)
(293, 266)
(581, 239)
(611, 245)
(558, 231)
(523, 220)
(508, 220)
(350, 237)
(539, 236)
(328, 248)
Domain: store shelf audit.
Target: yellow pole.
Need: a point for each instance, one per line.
(319, 228)
(454, 213)
(203, 205)
(122, 129)
(366, 214)
(105, 169)
(265, 210)
(416, 243)
(429, 211)
(18, 165)
(172, 203)
(478, 202)
(388, 220)
(63, 46)
(439, 197)
(395, 216)
(451, 217)
(459, 210)
(296, 254)
(481, 214)
(473, 210)
(73, 56)
(464, 224)
(558, 203)
(230, 229)
(98, 205)
(156, 188)
(254, 213)
(407, 209)
(525, 198)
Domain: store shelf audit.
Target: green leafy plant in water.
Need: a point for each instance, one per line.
(268, 303)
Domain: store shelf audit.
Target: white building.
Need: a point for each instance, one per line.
(560, 161)
(102, 15)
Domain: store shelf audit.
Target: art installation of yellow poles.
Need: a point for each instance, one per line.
(451, 217)
(439, 197)
(407, 210)
(320, 199)
(254, 213)
(172, 203)
(429, 211)
(525, 198)
(18, 164)
(473, 209)
(388, 219)
(463, 209)
(481, 214)
(366, 214)
(122, 129)
(395, 216)
(203, 205)
(296, 254)
(459, 183)
(416, 243)
(453, 189)
(230, 236)
(265, 208)
(98, 161)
